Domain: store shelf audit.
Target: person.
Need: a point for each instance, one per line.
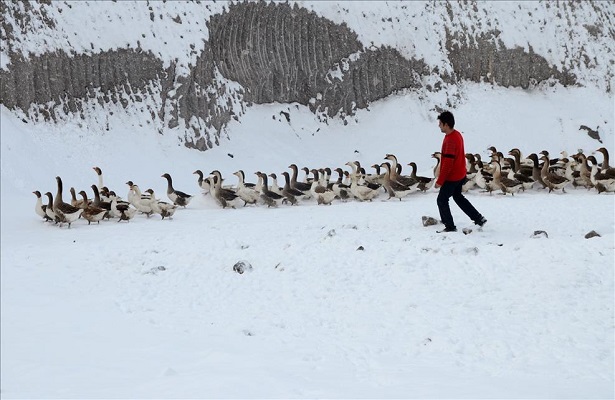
(453, 175)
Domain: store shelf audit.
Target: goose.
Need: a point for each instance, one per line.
(536, 170)
(361, 192)
(294, 184)
(91, 213)
(125, 211)
(79, 203)
(552, 161)
(223, 196)
(395, 173)
(394, 188)
(472, 171)
(40, 208)
(527, 182)
(605, 167)
(49, 209)
(424, 183)
(100, 177)
(507, 185)
(98, 202)
(552, 180)
(306, 177)
(141, 201)
(359, 172)
(65, 212)
(279, 190)
(319, 189)
(583, 178)
(274, 184)
(203, 183)
(267, 196)
(523, 165)
(246, 191)
(288, 192)
(377, 178)
(436, 169)
(162, 208)
(601, 181)
(341, 189)
(177, 197)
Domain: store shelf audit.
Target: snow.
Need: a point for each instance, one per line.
(151, 308)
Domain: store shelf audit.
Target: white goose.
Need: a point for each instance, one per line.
(162, 208)
(245, 190)
(362, 193)
(39, 207)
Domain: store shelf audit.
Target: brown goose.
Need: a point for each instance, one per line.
(552, 180)
(527, 182)
(583, 178)
(203, 183)
(223, 196)
(319, 189)
(302, 186)
(65, 212)
(177, 197)
(605, 168)
(396, 175)
(378, 177)
(601, 181)
(98, 202)
(40, 208)
(507, 185)
(536, 169)
(270, 198)
(90, 212)
(424, 183)
(79, 203)
(290, 193)
(394, 188)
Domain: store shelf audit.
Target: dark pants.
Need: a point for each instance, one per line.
(453, 189)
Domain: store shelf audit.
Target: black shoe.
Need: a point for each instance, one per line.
(448, 229)
(482, 221)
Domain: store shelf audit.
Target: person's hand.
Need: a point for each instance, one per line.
(437, 186)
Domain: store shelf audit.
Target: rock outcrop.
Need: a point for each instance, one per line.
(256, 53)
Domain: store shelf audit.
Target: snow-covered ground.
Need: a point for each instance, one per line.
(152, 308)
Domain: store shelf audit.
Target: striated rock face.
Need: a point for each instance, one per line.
(68, 81)
(256, 53)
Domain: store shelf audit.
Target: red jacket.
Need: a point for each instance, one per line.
(453, 160)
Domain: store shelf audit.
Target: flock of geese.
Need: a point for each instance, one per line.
(506, 174)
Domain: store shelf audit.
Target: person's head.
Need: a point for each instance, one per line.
(447, 121)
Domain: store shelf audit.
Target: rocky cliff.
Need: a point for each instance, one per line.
(265, 52)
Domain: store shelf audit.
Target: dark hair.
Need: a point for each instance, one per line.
(447, 118)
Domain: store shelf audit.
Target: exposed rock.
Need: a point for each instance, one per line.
(539, 234)
(429, 221)
(242, 266)
(592, 234)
